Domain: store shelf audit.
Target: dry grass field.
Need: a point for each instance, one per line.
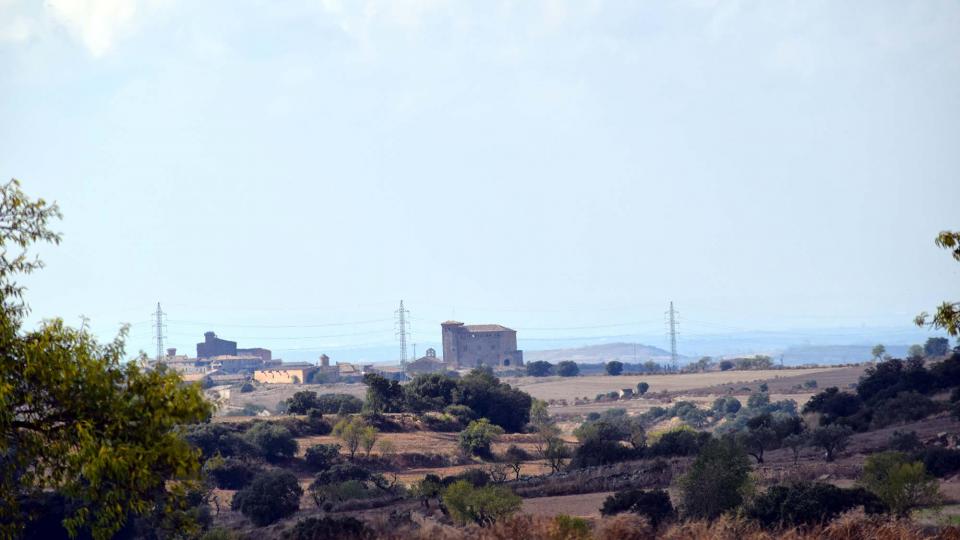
(569, 388)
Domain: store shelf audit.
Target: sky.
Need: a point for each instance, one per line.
(284, 173)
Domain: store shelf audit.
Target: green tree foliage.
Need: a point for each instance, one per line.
(483, 505)
(478, 436)
(901, 484)
(430, 392)
(515, 456)
(833, 404)
(341, 528)
(272, 495)
(303, 401)
(642, 388)
(321, 457)
(716, 481)
(936, 346)
(338, 404)
(273, 442)
(654, 505)
(568, 368)
(228, 473)
(502, 405)
(246, 387)
(904, 407)
(878, 351)
(383, 395)
(613, 367)
(726, 365)
(726, 405)
(539, 368)
(223, 439)
(947, 316)
(75, 417)
(804, 503)
(352, 432)
(556, 452)
(832, 439)
(916, 351)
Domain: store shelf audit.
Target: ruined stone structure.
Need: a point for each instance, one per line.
(474, 345)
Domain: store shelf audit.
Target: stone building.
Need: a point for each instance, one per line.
(474, 345)
(214, 346)
(297, 373)
(428, 363)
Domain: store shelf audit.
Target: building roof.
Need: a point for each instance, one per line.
(486, 328)
(291, 365)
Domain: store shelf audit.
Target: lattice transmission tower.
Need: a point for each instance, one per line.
(159, 330)
(402, 333)
(672, 324)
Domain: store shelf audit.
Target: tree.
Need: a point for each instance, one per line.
(568, 368)
(303, 401)
(321, 457)
(902, 485)
(539, 368)
(936, 346)
(504, 406)
(273, 442)
(383, 395)
(704, 363)
(642, 388)
(726, 365)
(271, 495)
(478, 436)
(878, 351)
(338, 404)
(833, 404)
(804, 503)
(556, 453)
(796, 444)
(351, 432)
(228, 473)
(515, 456)
(430, 392)
(832, 439)
(368, 438)
(481, 505)
(947, 316)
(916, 351)
(716, 480)
(655, 504)
(77, 411)
(614, 367)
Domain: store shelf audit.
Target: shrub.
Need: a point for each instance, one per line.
(347, 528)
(539, 368)
(273, 442)
(568, 368)
(939, 461)
(803, 504)
(904, 441)
(757, 400)
(614, 367)
(504, 406)
(655, 505)
(642, 388)
(212, 439)
(483, 505)
(726, 365)
(476, 477)
(679, 442)
(812, 383)
(271, 495)
(570, 528)
(228, 473)
(462, 413)
(833, 404)
(716, 480)
(901, 485)
(478, 436)
(301, 402)
(904, 407)
(352, 431)
(321, 457)
(246, 387)
(341, 472)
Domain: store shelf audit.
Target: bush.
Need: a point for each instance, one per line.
(321, 457)
(228, 473)
(832, 439)
(430, 392)
(337, 404)
(347, 528)
(642, 388)
(726, 365)
(812, 383)
(570, 528)
(539, 368)
(504, 406)
(212, 439)
(716, 480)
(477, 438)
(904, 407)
(274, 443)
(568, 368)
(301, 402)
(462, 413)
(246, 387)
(614, 367)
(904, 441)
(679, 442)
(483, 505)
(804, 504)
(475, 477)
(272, 495)
(901, 485)
(655, 505)
(939, 461)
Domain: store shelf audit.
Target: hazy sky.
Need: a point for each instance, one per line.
(265, 169)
